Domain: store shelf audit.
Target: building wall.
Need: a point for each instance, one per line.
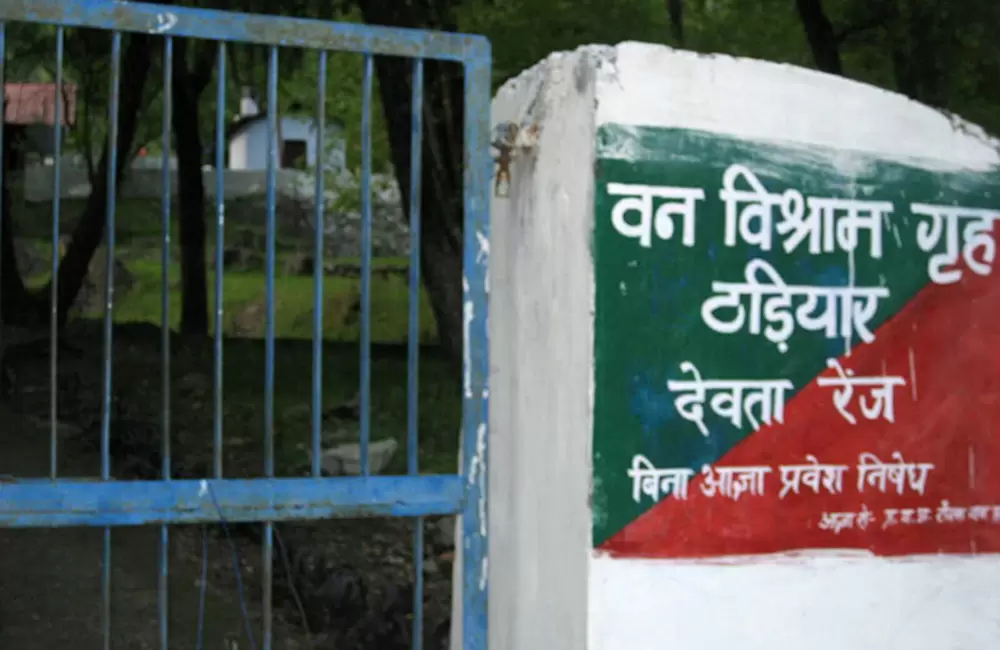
(248, 149)
(297, 128)
(240, 156)
(146, 182)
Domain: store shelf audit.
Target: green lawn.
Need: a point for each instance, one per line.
(244, 303)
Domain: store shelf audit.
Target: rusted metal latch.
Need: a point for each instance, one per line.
(509, 139)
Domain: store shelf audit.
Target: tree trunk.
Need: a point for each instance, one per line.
(441, 207)
(13, 284)
(90, 228)
(12, 289)
(822, 38)
(188, 85)
(675, 10)
(922, 49)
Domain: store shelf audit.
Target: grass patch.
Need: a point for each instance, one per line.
(244, 304)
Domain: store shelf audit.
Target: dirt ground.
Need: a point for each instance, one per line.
(339, 584)
(50, 580)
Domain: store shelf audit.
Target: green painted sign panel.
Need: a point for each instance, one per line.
(846, 230)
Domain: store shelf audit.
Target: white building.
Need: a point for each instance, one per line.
(297, 138)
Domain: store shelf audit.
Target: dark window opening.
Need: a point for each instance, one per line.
(293, 154)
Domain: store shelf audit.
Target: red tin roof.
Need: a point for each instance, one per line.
(33, 103)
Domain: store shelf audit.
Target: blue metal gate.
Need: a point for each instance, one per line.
(57, 502)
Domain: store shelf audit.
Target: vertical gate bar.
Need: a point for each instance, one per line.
(3, 156)
(167, 188)
(109, 270)
(413, 343)
(57, 133)
(109, 262)
(267, 600)
(272, 165)
(220, 236)
(366, 260)
(475, 406)
(318, 266)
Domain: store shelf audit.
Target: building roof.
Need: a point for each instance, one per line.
(241, 123)
(34, 103)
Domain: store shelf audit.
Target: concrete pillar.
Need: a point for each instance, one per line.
(593, 316)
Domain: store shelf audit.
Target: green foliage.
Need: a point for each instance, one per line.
(947, 46)
(525, 31)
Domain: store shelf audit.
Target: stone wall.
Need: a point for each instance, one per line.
(247, 188)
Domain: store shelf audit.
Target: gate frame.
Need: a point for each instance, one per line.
(33, 503)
